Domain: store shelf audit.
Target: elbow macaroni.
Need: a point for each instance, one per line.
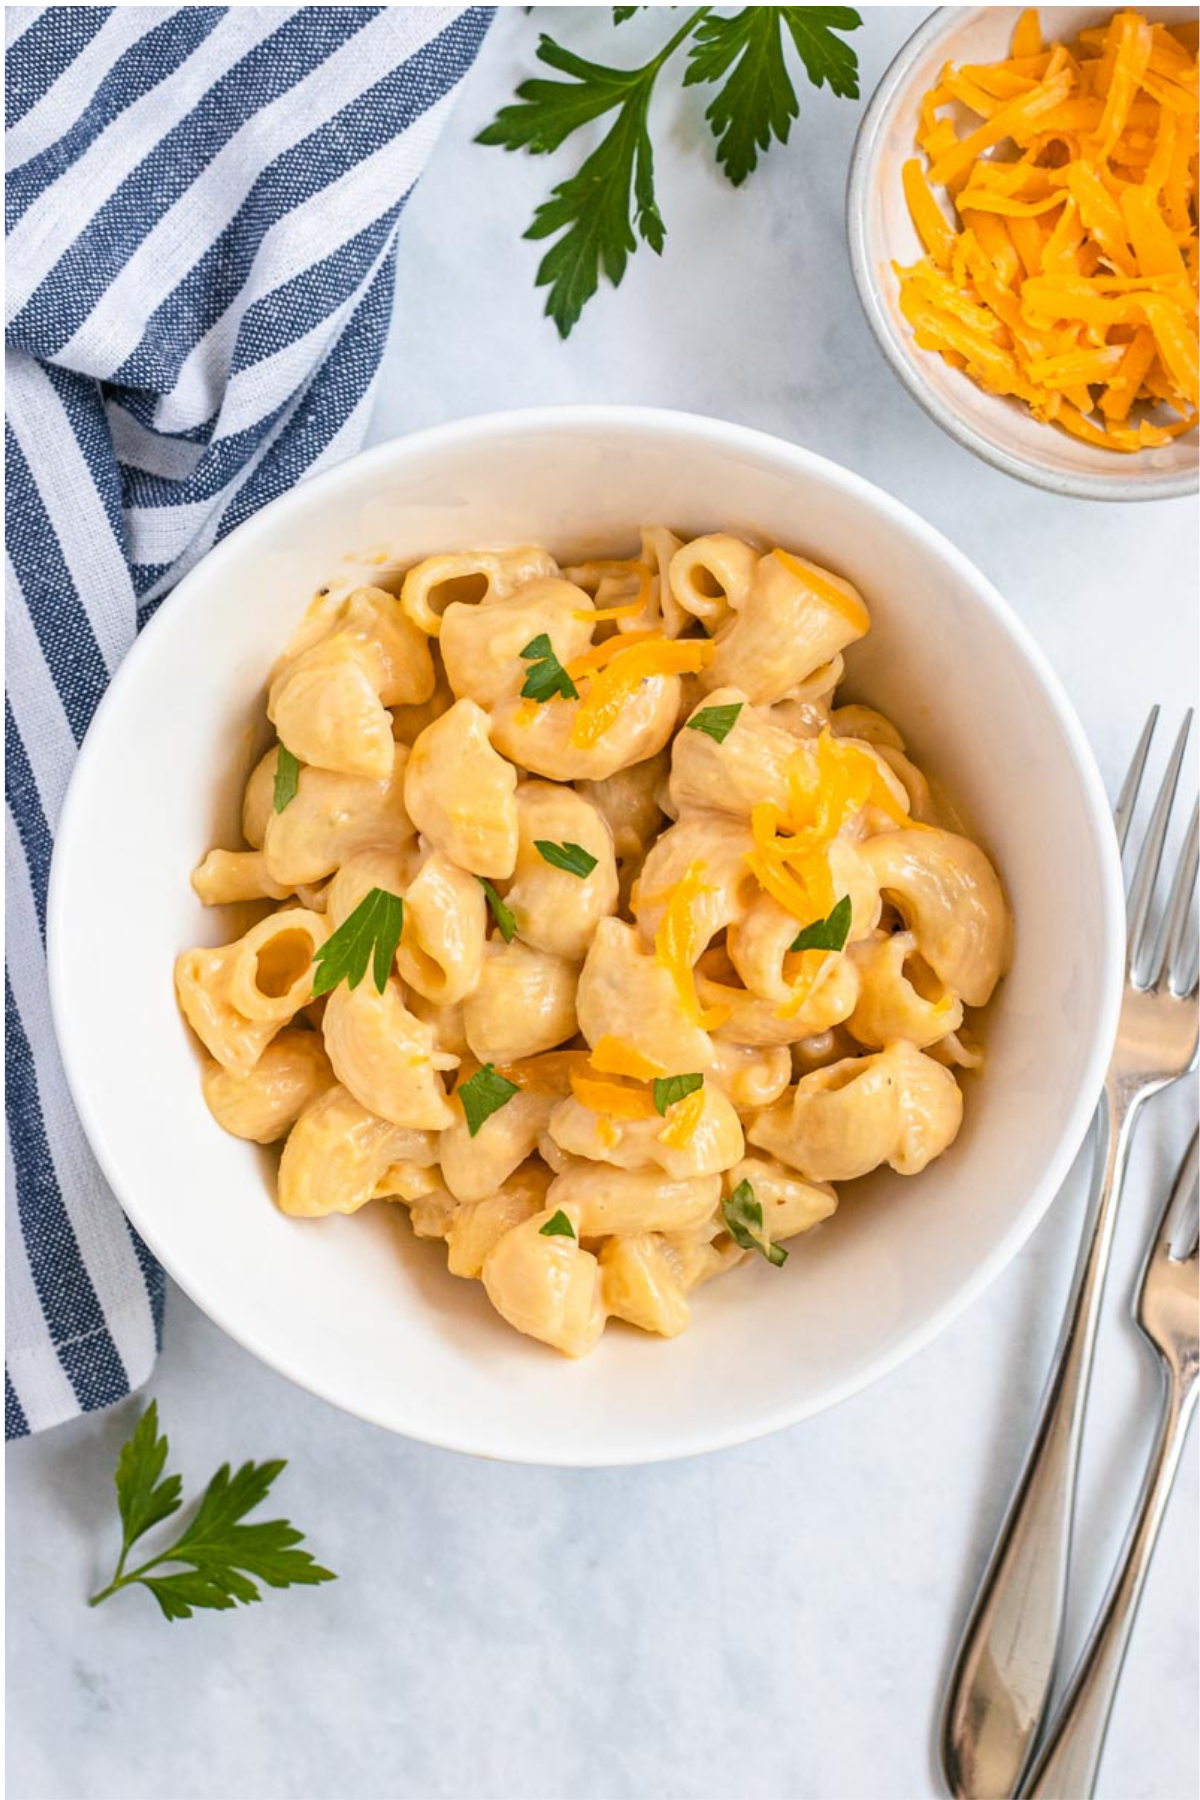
(602, 883)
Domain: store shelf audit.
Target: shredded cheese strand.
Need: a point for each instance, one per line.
(619, 668)
(613, 1056)
(608, 1099)
(678, 943)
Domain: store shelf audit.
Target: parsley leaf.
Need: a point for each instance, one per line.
(758, 102)
(505, 921)
(218, 1552)
(547, 677)
(571, 857)
(558, 1226)
(716, 721)
(374, 925)
(825, 57)
(670, 1088)
(743, 1216)
(598, 208)
(485, 1093)
(827, 934)
(142, 1498)
(287, 778)
(621, 13)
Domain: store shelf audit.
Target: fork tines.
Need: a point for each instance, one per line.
(1166, 946)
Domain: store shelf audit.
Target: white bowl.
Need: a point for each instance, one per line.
(1001, 431)
(357, 1309)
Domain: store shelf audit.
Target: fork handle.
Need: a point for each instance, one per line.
(1067, 1763)
(1000, 1686)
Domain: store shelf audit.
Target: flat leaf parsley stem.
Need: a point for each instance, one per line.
(121, 1579)
(672, 44)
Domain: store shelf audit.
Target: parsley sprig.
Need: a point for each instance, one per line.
(218, 1554)
(599, 213)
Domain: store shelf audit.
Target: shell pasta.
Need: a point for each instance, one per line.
(590, 928)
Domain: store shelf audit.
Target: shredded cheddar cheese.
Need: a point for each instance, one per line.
(613, 1056)
(678, 943)
(606, 614)
(608, 1099)
(849, 605)
(612, 1100)
(600, 655)
(792, 864)
(544, 1074)
(1064, 272)
(619, 667)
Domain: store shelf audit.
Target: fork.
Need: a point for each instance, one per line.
(1000, 1685)
(1167, 1310)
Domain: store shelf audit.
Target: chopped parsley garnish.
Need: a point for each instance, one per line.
(827, 934)
(558, 1226)
(547, 676)
(506, 923)
(571, 857)
(373, 927)
(670, 1088)
(485, 1093)
(743, 1216)
(287, 778)
(716, 721)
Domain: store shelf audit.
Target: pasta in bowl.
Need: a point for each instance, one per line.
(601, 936)
(357, 1308)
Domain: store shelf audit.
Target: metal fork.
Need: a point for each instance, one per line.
(1000, 1685)
(1167, 1310)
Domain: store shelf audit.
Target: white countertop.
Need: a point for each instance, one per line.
(770, 1623)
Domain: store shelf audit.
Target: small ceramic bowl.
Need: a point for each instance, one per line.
(358, 1309)
(1000, 430)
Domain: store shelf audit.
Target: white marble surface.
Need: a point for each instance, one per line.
(771, 1623)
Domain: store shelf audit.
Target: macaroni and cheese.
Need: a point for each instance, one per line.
(594, 931)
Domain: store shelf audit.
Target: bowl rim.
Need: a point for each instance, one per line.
(585, 419)
(941, 25)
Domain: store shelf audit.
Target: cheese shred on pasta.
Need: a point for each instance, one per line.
(621, 665)
(1062, 268)
(679, 941)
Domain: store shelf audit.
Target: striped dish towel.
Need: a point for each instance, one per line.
(201, 215)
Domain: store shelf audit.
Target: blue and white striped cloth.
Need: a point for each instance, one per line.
(201, 217)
